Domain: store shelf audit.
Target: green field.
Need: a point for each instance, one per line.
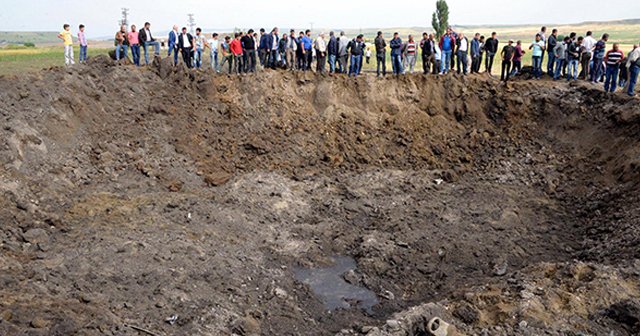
(16, 61)
(28, 37)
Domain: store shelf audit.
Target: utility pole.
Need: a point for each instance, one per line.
(125, 16)
(192, 22)
(311, 24)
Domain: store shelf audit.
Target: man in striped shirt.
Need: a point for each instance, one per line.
(613, 58)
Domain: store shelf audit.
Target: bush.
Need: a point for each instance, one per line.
(29, 45)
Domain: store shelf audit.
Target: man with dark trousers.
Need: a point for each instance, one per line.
(249, 52)
(381, 54)
(428, 52)
(491, 49)
(185, 45)
(507, 57)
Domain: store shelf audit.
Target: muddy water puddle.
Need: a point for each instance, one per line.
(330, 287)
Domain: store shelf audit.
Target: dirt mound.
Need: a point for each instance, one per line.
(130, 196)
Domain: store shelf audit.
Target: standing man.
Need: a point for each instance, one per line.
(321, 53)
(475, 53)
(552, 42)
(411, 50)
(263, 48)
(236, 51)
(381, 54)
(122, 43)
(559, 54)
(447, 44)
(396, 54)
(291, 50)
(538, 47)
(517, 59)
(613, 59)
(249, 52)
(67, 40)
(588, 45)
(429, 54)
(356, 48)
(213, 45)
(146, 40)
(633, 63)
(82, 41)
(462, 52)
(491, 47)
(507, 57)
(573, 57)
(200, 43)
(227, 56)
(343, 53)
(332, 51)
(173, 44)
(543, 38)
(302, 58)
(598, 58)
(308, 49)
(186, 45)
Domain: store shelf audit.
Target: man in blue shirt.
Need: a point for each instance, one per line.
(396, 54)
(447, 42)
(538, 47)
(307, 44)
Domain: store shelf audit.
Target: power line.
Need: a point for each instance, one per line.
(192, 22)
(125, 17)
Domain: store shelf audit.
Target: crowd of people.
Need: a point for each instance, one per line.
(571, 57)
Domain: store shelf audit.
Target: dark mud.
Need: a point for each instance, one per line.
(129, 196)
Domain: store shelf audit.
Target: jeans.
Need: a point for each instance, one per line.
(156, 51)
(634, 70)
(83, 53)
(572, 67)
(612, 78)
(125, 49)
(237, 64)
(597, 69)
(249, 61)
(226, 59)
(68, 55)
(488, 62)
(214, 60)
(135, 53)
(446, 61)
(475, 64)
(551, 62)
(411, 62)
(356, 65)
(516, 67)
(381, 62)
(559, 65)
(309, 55)
(198, 58)
(332, 63)
(174, 48)
(506, 69)
(462, 62)
(537, 66)
(396, 61)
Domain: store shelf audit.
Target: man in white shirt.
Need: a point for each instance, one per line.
(213, 45)
(587, 52)
(321, 53)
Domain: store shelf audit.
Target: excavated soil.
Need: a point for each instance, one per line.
(169, 202)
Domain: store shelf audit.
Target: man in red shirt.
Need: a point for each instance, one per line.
(236, 50)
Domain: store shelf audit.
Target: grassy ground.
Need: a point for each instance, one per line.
(16, 61)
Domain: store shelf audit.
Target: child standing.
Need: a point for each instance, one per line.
(82, 40)
(368, 55)
(65, 36)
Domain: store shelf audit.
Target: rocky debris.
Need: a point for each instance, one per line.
(458, 197)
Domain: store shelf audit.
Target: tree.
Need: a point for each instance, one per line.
(440, 19)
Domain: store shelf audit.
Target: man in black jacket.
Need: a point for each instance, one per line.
(185, 45)
(332, 52)
(146, 40)
(428, 52)
(356, 48)
(491, 49)
(249, 52)
(552, 41)
(381, 54)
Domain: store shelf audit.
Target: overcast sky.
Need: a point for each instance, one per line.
(101, 17)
